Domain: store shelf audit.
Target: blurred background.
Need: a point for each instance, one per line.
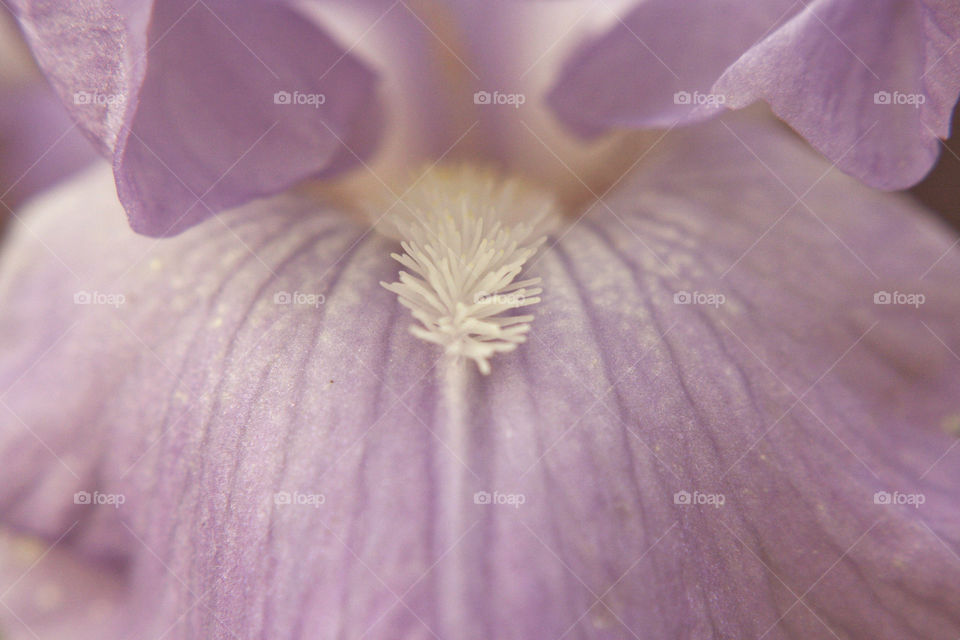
(40, 146)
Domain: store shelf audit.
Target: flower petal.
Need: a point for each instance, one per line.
(297, 467)
(872, 91)
(202, 106)
(649, 67)
(49, 593)
(38, 144)
(871, 94)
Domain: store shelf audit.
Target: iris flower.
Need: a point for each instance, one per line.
(486, 320)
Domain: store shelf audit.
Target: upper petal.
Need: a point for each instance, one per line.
(651, 68)
(197, 103)
(303, 467)
(871, 89)
(871, 94)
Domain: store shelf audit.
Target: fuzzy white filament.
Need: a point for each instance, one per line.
(466, 235)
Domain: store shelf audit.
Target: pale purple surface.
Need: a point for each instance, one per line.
(199, 398)
(187, 114)
(39, 145)
(818, 64)
(56, 592)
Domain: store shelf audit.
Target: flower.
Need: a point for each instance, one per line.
(734, 414)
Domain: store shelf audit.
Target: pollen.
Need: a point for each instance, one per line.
(466, 234)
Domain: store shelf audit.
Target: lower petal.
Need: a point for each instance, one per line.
(691, 443)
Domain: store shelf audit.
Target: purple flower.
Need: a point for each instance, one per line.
(733, 415)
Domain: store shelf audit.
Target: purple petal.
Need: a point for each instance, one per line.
(47, 592)
(874, 95)
(826, 67)
(200, 399)
(184, 97)
(39, 145)
(641, 71)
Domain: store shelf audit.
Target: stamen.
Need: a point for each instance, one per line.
(466, 234)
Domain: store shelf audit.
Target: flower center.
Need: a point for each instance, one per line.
(466, 234)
